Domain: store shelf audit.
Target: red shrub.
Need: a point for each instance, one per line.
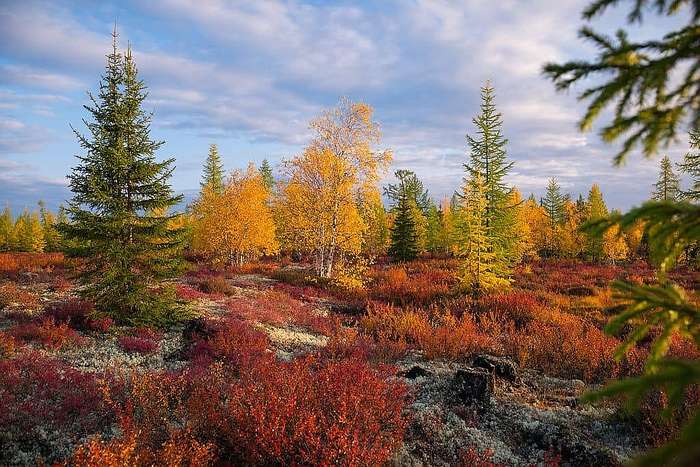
(278, 308)
(234, 342)
(48, 334)
(422, 287)
(135, 344)
(216, 285)
(12, 263)
(473, 458)
(519, 306)
(61, 284)
(307, 412)
(310, 412)
(185, 292)
(78, 314)
(11, 294)
(40, 395)
(8, 345)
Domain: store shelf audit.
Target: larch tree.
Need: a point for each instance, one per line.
(213, 176)
(52, 238)
(488, 160)
(668, 185)
(7, 231)
(479, 272)
(691, 167)
(374, 216)
(597, 210)
(235, 226)
(117, 186)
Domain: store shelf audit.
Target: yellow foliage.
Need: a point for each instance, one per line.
(236, 225)
(318, 212)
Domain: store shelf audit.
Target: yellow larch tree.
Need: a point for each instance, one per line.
(236, 225)
(540, 226)
(569, 240)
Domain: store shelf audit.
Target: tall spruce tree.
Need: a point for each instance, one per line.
(266, 173)
(411, 185)
(213, 177)
(691, 167)
(553, 203)
(668, 186)
(118, 224)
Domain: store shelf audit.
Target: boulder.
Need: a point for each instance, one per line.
(473, 385)
(415, 372)
(502, 367)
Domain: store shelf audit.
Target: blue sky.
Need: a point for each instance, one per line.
(250, 75)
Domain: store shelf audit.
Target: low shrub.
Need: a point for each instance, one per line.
(216, 285)
(42, 395)
(78, 314)
(133, 344)
(187, 293)
(12, 295)
(48, 334)
(314, 412)
(233, 342)
(519, 306)
(8, 345)
(12, 264)
(423, 287)
(309, 411)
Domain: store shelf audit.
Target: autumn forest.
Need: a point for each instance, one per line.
(307, 312)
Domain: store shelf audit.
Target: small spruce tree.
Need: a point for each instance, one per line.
(266, 173)
(213, 177)
(691, 167)
(553, 203)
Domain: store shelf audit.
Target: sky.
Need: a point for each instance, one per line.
(249, 76)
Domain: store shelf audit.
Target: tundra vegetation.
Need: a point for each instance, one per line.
(287, 317)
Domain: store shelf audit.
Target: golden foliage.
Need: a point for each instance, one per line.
(236, 225)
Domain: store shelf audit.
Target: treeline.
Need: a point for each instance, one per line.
(326, 203)
(31, 231)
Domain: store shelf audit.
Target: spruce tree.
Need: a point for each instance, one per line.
(118, 224)
(266, 173)
(488, 161)
(553, 203)
(213, 177)
(667, 187)
(412, 186)
(404, 235)
(409, 199)
(691, 167)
